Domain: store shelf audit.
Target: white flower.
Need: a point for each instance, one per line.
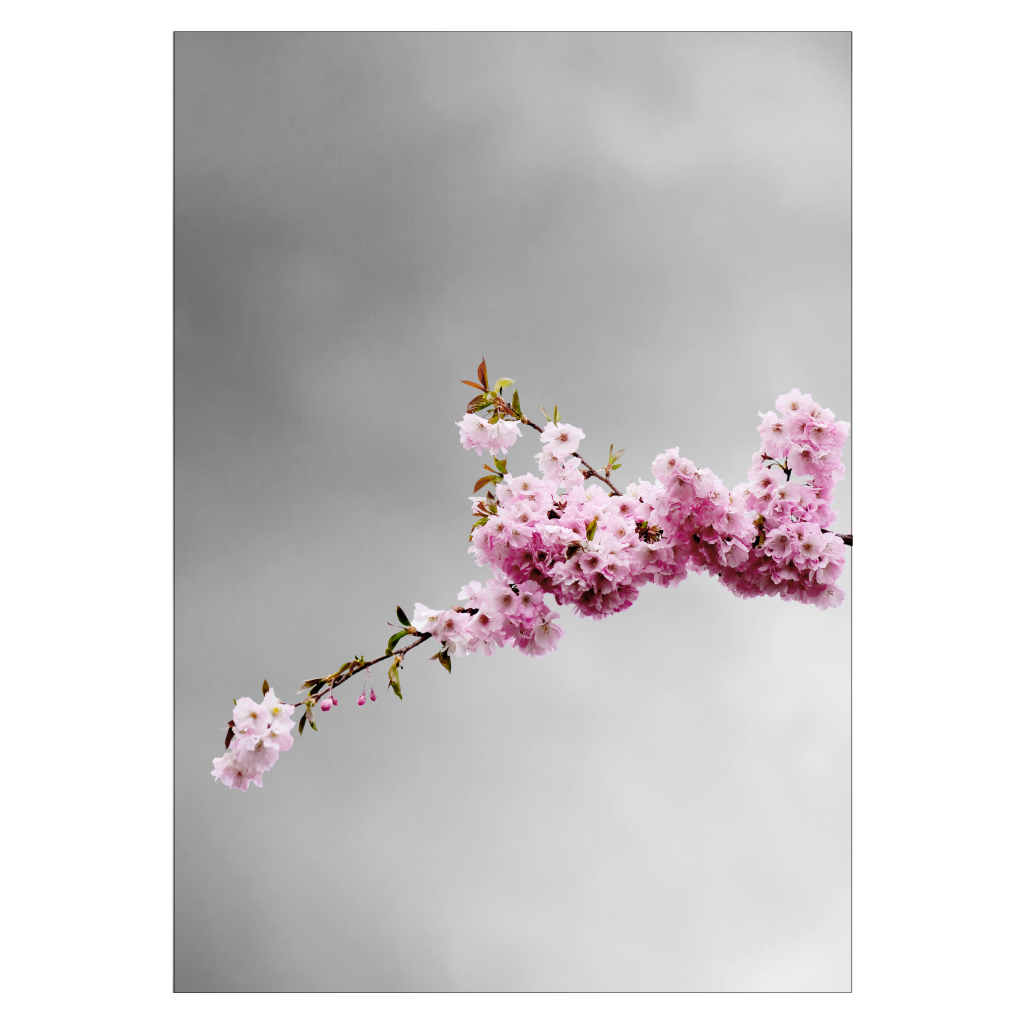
(505, 434)
(425, 620)
(562, 438)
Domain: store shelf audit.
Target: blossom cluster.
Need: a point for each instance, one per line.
(593, 550)
(497, 613)
(789, 495)
(552, 534)
(482, 436)
(257, 735)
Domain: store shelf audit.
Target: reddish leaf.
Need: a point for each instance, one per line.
(481, 482)
(481, 372)
(472, 384)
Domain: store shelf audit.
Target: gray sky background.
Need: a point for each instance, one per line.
(652, 231)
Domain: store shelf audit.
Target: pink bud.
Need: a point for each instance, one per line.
(334, 699)
(362, 699)
(373, 696)
(325, 704)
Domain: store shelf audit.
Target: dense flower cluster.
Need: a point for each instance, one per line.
(594, 550)
(789, 494)
(258, 733)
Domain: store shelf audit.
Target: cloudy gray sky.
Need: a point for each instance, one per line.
(652, 231)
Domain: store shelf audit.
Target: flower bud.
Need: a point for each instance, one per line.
(373, 696)
(325, 704)
(362, 699)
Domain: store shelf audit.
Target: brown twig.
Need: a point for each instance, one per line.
(593, 472)
(336, 680)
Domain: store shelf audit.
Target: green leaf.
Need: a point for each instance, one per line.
(478, 403)
(516, 408)
(393, 679)
(481, 373)
(302, 722)
(347, 665)
(233, 701)
(555, 415)
(479, 522)
(394, 640)
(402, 617)
(445, 659)
(592, 528)
(495, 417)
(505, 382)
(266, 687)
(499, 465)
(543, 410)
(314, 689)
(312, 725)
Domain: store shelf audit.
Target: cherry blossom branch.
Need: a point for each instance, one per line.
(580, 548)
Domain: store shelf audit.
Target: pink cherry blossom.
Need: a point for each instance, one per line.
(234, 773)
(490, 438)
(260, 732)
(475, 433)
